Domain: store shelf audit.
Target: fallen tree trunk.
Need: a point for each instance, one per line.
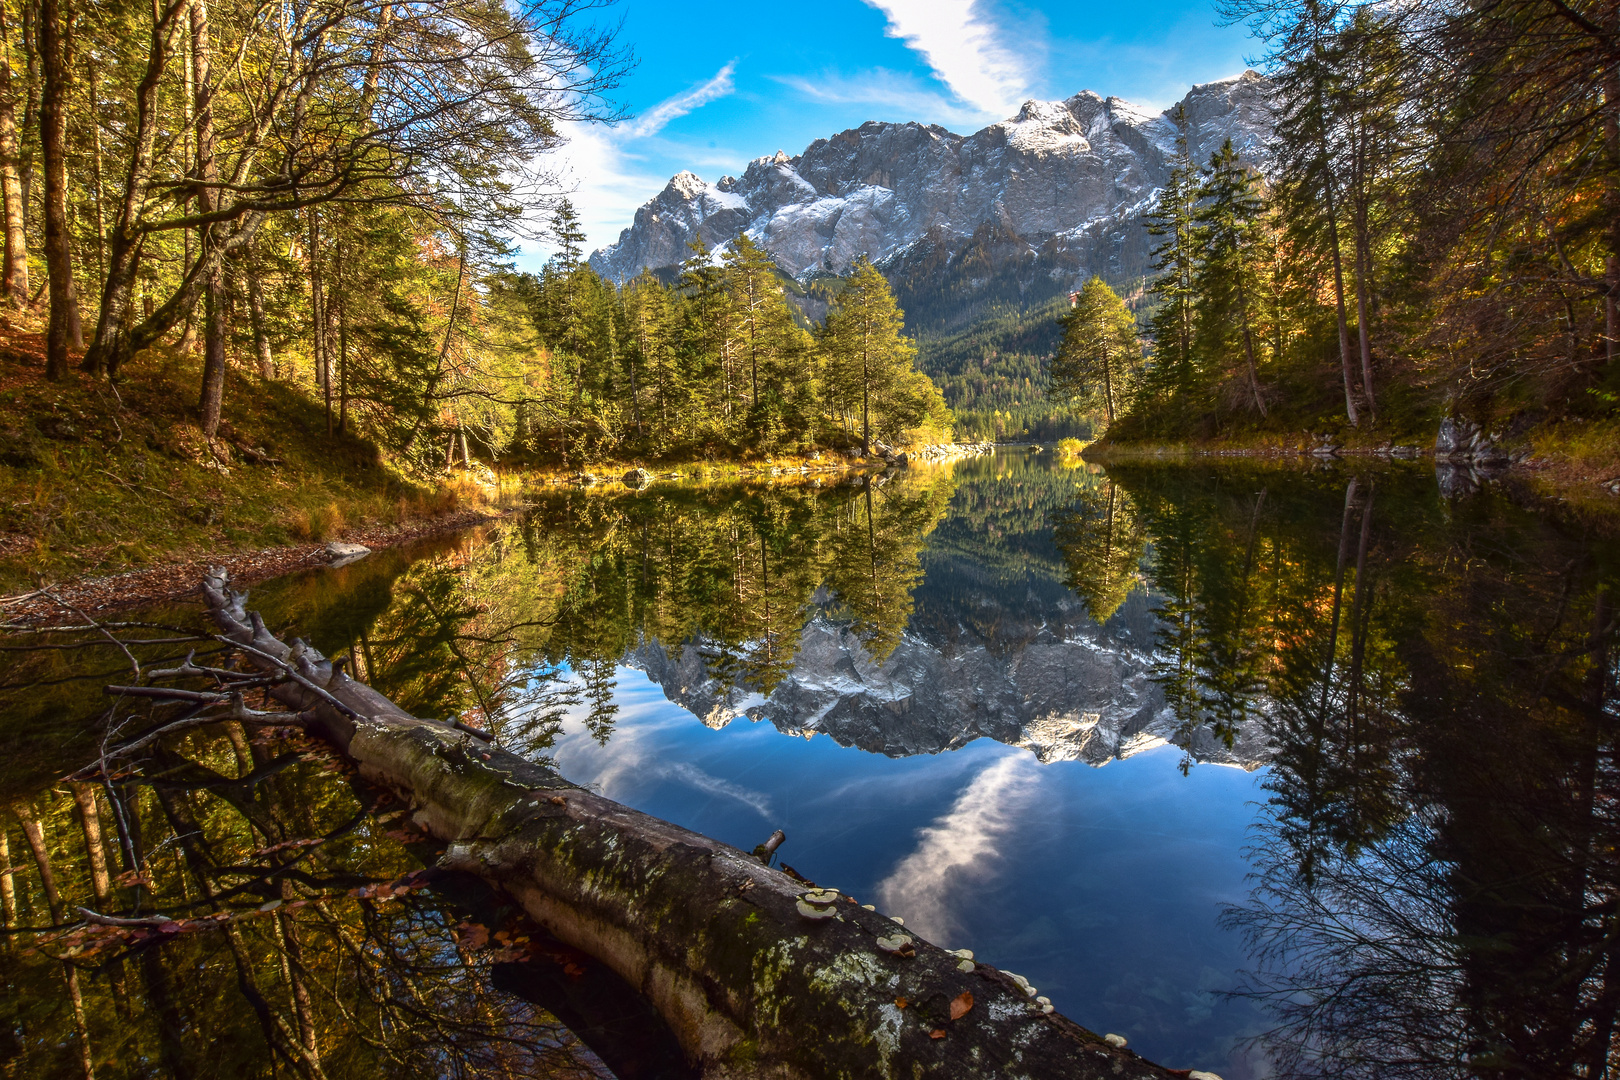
(756, 975)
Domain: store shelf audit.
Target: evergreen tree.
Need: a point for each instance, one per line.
(1099, 357)
(870, 371)
(1170, 377)
(1227, 223)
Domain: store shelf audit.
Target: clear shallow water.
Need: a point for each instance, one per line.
(1145, 736)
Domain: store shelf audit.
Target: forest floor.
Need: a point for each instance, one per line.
(118, 492)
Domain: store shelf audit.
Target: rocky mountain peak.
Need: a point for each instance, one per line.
(1070, 179)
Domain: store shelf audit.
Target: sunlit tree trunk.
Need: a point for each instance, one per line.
(56, 45)
(15, 278)
(213, 380)
(84, 795)
(8, 887)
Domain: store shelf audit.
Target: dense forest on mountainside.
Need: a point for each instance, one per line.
(1438, 232)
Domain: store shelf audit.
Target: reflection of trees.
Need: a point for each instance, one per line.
(1437, 885)
(302, 939)
(1102, 543)
(874, 558)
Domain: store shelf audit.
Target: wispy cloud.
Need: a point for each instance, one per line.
(606, 166)
(656, 118)
(962, 46)
(892, 95)
(959, 849)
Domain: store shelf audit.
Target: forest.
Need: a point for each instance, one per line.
(328, 198)
(1436, 231)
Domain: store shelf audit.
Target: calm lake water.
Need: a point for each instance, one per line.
(1274, 771)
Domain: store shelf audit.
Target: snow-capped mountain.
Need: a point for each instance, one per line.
(1059, 686)
(1065, 182)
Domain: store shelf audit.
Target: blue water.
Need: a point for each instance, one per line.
(1102, 886)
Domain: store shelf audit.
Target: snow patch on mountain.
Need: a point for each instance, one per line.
(1058, 170)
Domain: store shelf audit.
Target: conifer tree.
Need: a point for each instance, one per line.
(870, 361)
(1171, 324)
(1099, 357)
(772, 349)
(1227, 223)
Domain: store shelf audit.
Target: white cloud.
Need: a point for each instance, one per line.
(961, 45)
(607, 179)
(899, 96)
(656, 118)
(960, 848)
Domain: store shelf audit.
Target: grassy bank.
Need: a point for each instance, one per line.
(97, 481)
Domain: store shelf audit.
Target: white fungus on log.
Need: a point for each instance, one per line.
(1116, 1041)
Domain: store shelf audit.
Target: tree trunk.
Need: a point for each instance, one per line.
(1248, 346)
(261, 339)
(117, 335)
(343, 357)
(34, 833)
(56, 58)
(8, 887)
(15, 277)
(317, 311)
(753, 979)
(90, 820)
(213, 378)
(1328, 196)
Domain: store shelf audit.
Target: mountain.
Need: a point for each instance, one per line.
(1067, 691)
(1009, 216)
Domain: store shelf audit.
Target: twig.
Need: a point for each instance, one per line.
(118, 920)
(133, 663)
(168, 694)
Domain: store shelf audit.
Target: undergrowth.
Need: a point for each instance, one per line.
(99, 480)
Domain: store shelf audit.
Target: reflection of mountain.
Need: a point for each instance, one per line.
(1069, 690)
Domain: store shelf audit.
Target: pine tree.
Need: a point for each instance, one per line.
(773, 351)
(870, 361)
(1171, 325)
(1227, 223)
(1099, 357)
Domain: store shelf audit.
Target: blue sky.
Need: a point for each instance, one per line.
(720, 82)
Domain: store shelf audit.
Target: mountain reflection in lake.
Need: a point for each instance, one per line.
(1419, 695)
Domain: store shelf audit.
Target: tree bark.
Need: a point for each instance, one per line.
(15, 277)
(261, 339)
(55, 49)
(718, 943)
(213, 379)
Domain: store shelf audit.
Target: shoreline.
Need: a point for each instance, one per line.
(177, 577)
(176, 574)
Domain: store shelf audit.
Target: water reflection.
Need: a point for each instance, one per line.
(229, 904)
(1423, 688)
(1436, 884)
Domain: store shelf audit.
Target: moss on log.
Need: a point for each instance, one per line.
(753, 980)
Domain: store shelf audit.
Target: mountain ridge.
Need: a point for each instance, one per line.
(1057, 191)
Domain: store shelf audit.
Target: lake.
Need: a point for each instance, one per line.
(1272, 769)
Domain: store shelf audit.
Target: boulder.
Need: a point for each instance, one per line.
(342, 554)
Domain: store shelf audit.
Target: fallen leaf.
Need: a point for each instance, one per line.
(937, 1033)
(960, 1004)
(901, 1003)
(474, 936)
